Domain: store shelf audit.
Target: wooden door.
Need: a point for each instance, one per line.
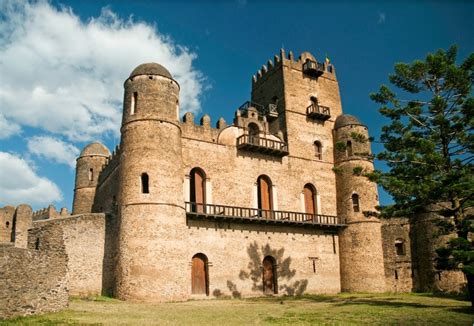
(197, 190)
(309, 200)
(265, 196)
(268, 276)
(198, 275)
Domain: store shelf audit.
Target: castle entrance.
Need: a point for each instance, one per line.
(199, 275)
(269, 276)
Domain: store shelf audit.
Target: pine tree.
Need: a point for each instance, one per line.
(428, 147)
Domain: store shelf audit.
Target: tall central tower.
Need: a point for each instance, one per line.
(151, 185)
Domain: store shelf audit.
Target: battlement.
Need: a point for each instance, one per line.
(49, 212)
(110, 164)
(305, 62)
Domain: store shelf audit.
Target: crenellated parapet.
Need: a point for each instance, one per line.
(203, 130)
(49, 212)
(111, 164)
(306, 62)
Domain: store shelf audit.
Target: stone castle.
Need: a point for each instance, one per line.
(273, 203)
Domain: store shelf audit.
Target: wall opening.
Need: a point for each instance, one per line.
(133, 104)
(7, 224)
(200, 275)
(400, 247)
(264, 190)
(333, 243)
(318, 150)
(37, 244)
(396, 274)
(197, 194)
(349, 148)
(355, 203)
(310, 199)
(269, 276)
(91, 174)
(145, 183)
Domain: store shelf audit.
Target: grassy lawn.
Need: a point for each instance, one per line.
(342, 309)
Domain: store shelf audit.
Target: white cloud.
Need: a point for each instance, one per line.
(7, 128)
(66, 76)
(382, 17)
(53, 149)
(20, 183)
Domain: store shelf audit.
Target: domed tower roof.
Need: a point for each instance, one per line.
(95, 149)
(346, 120)
(151, 69)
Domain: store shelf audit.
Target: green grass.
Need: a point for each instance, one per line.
(341, 309)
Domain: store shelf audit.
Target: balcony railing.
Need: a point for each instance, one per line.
(248, 104)
(318, 112)
(313, 68)
(255, 215)
(262, 145)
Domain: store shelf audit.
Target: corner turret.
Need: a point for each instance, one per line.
(89, 164)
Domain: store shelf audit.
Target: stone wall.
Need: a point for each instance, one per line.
(397, 254)
(34, 280)
(6, 223)
(84, 241)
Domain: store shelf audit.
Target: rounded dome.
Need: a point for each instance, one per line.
(151, 69)
(95, 149)
(346, 120)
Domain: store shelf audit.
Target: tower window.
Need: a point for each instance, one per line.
(396, 274)
(133, 105)
(309, 199)
(8, 224)
(91, 174)
(318, 149)
(145, 185)
(355, 203)
(400, 247)
(349, 148)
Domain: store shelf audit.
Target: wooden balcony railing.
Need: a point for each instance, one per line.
(245, 214)
(313, 68)
(318, 112)
(262, 145)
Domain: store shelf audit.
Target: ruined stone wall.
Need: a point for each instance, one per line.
(84, 241)
(397, 261)
(34, 280)
(426, 277)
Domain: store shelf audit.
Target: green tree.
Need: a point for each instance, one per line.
(429, 150)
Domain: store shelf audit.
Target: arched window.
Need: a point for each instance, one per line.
(200, 275)
(133, 104)
(269, 276)
(400, 247)
(7, 224)
(309, 199)
(355, 203)
(349, 148)
(198, 190)
(264, 187)
(145, 183)
(318, 149)
(314, 100)
(91, 174)
(254, 133)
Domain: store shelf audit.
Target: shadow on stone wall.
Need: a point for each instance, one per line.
(254, 273)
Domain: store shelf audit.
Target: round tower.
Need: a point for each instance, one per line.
(151, 201)
(88, 166)
(361, 255)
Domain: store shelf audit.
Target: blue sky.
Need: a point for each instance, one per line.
(65, 62)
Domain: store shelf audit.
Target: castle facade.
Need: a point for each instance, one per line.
(273, 203)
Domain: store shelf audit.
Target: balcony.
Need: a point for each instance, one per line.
(262, 145)
(249, 104)
(255, 215)
(318, 112)
(313, 68)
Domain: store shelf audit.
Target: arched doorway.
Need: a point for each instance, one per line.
(309, 199)
(199, 275)
(264, 187)
(197, 192)
(254, 133)
(269, 276)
